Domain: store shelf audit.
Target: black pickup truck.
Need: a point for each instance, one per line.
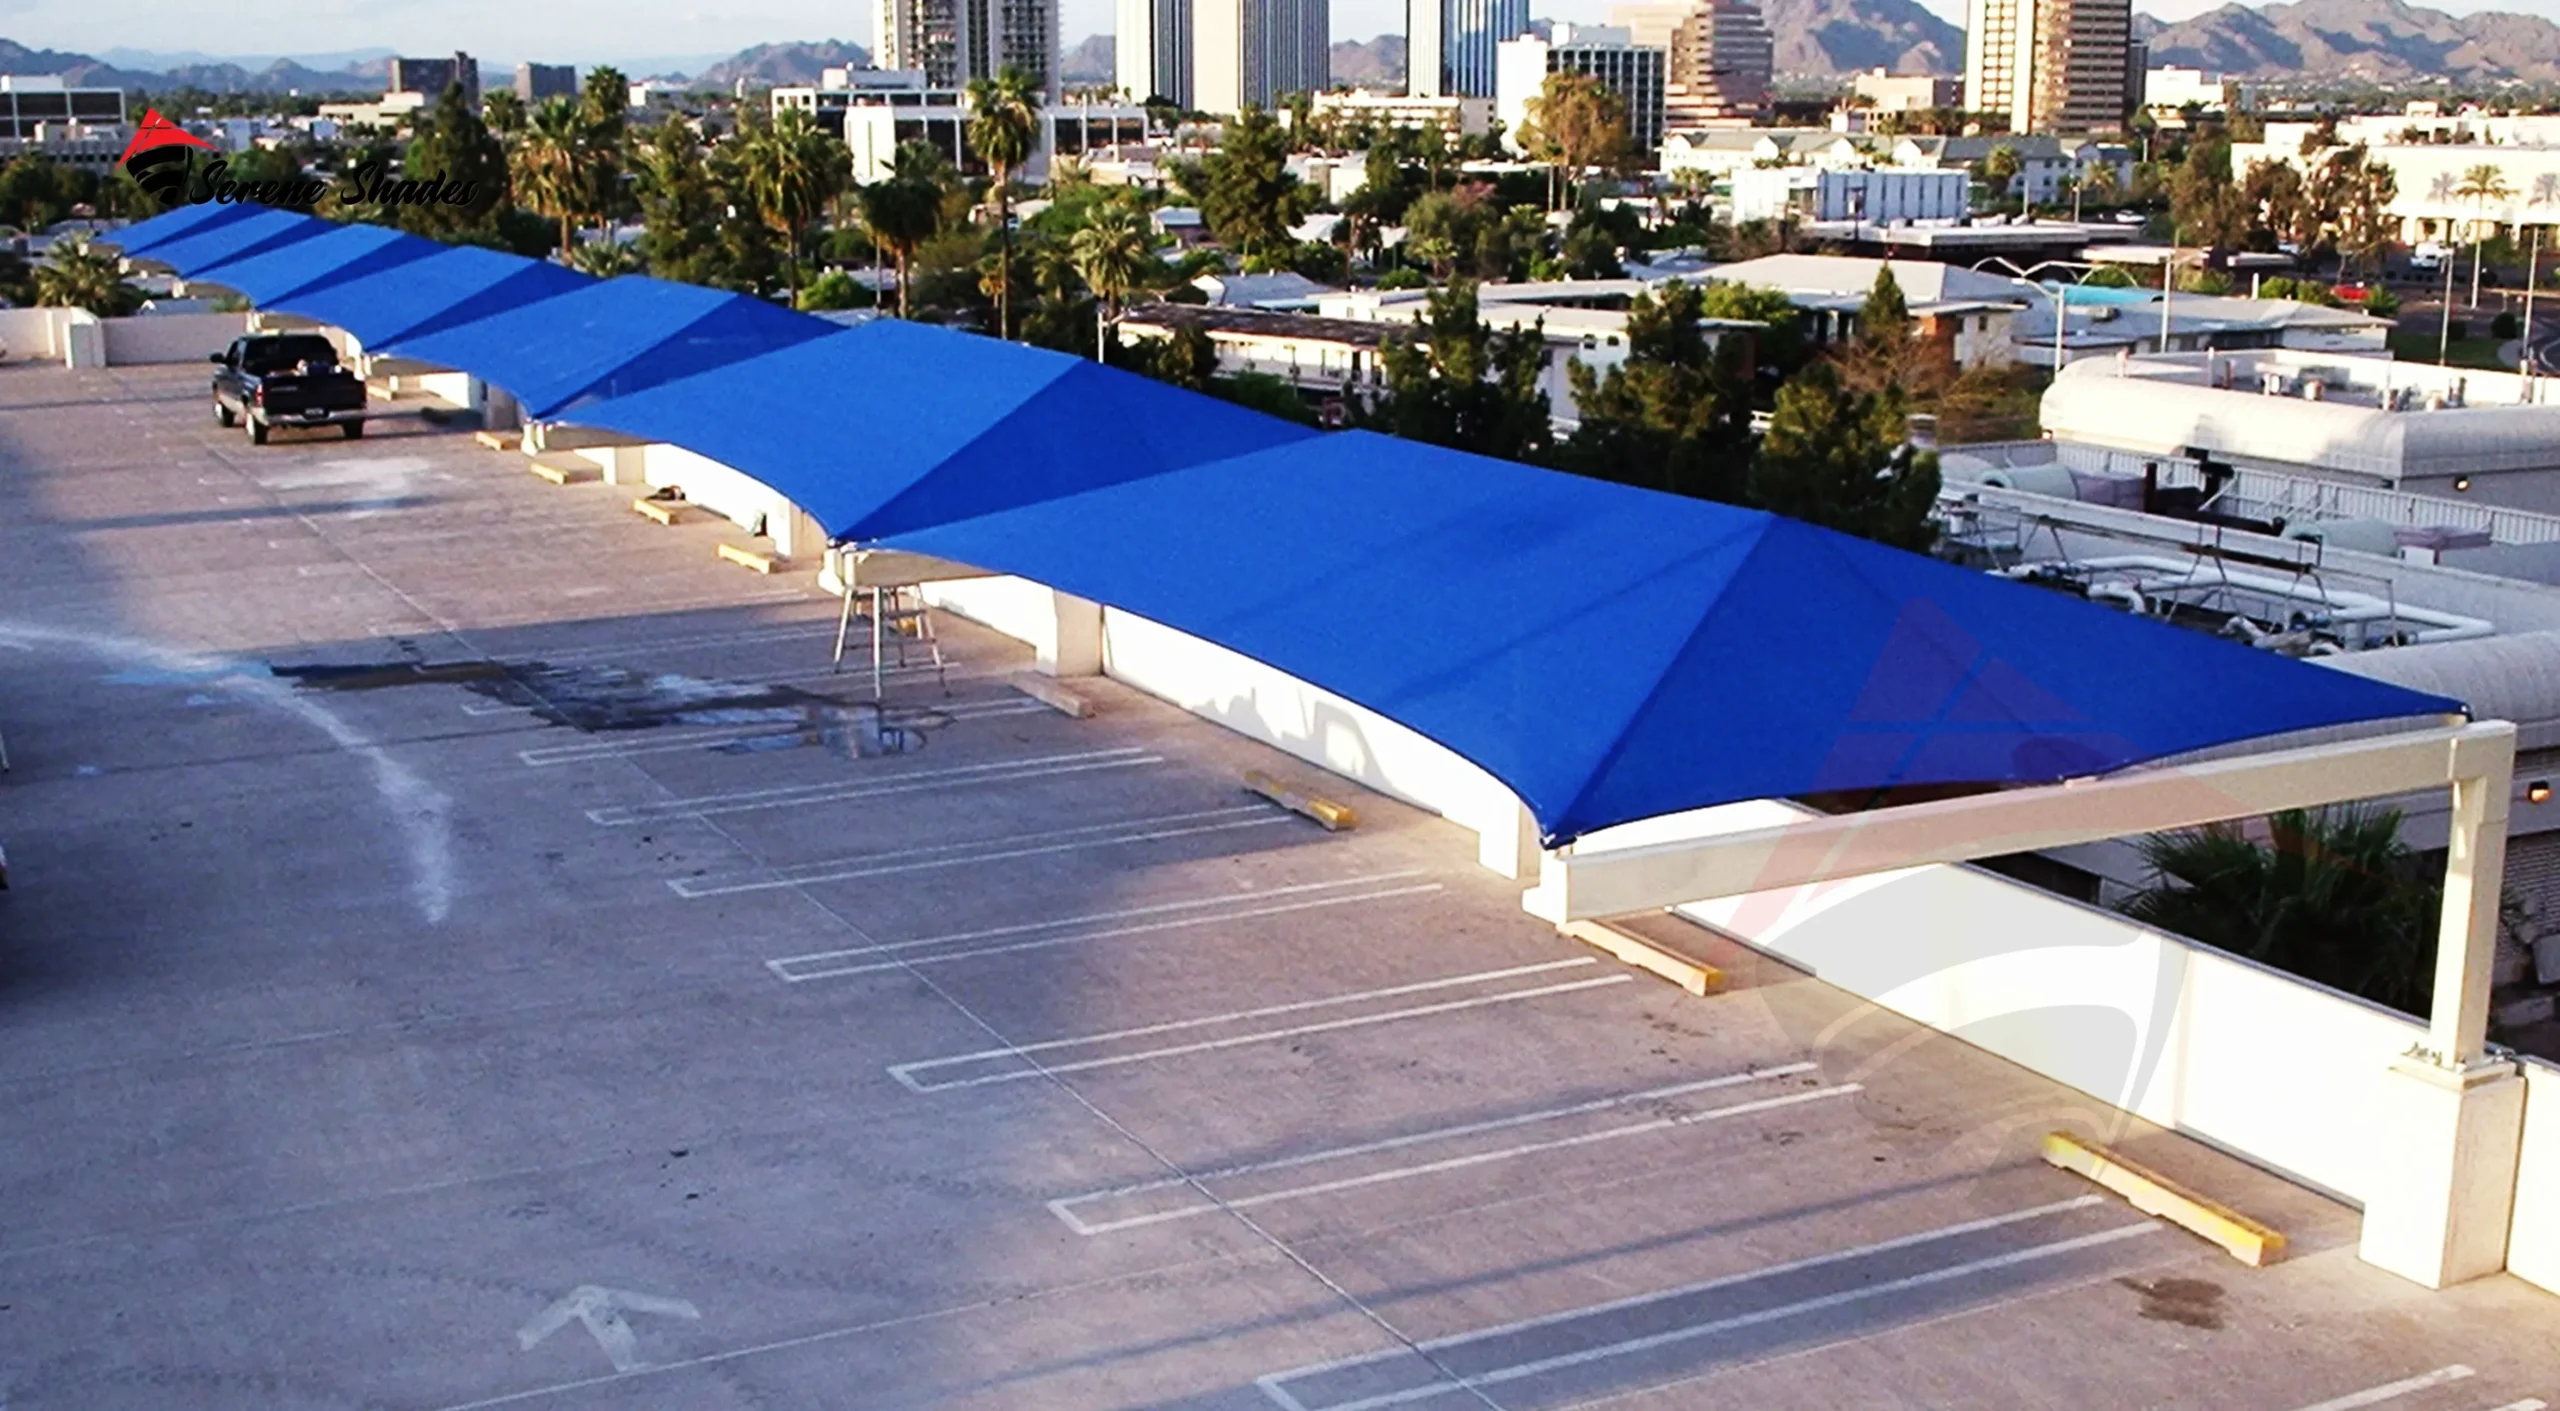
(286, 379)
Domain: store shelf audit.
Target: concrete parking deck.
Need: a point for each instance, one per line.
(467, 951)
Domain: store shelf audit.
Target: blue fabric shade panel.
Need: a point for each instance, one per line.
(451, 287)
(1613, 654)
(172, 224)
(893, 425)
(199, 252)
(343, 252)
(611, 338)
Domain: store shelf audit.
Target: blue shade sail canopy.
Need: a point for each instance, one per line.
(891, 425)
(172, 224)
(613, 337)
(201, 251)
(341, 253)
(1612, 653)
(454, 286)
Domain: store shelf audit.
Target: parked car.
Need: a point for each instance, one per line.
(2429, 256)
(269, 380)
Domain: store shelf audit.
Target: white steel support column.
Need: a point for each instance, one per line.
(2450, 1126)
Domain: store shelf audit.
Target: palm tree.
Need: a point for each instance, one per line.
(1108, 253)
(551, 167)
(75, 276)
(1004, 123)
(1999, 169)
(903, 213)
(2481, 185)
(503, 112)
(794, 169)
(2333, 896)
(605, 258)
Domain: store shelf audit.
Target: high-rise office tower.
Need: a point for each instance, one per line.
(1450, 44)
(1153, 45)
(1717, 57)
(2049, 65)
(953, 41)
(1250, 53)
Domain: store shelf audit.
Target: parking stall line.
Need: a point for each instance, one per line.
(981, 850)
(1066, 1208)
(999, 940)
(906, 782)
(906, 1073)
(2393, 1391)
(1467, 1364)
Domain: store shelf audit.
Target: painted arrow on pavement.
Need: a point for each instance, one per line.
(601, 1309)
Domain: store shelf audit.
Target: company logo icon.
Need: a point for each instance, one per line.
(159, 156)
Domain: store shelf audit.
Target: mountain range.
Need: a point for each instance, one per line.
(2383, 41)
(2380, 41)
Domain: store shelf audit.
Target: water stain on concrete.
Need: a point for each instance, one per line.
(2193, 1303)
(595, 699)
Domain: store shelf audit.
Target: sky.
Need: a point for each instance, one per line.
(598, 31)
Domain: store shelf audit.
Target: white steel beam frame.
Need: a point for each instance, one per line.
(2475, 760)
(2448, 1115)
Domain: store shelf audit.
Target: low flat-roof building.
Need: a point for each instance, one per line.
(1454, 114)
(2450, 432)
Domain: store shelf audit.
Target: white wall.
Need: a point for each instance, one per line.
(170, 338)
(731, 494)
(2533, 1241)
(2270, 1067)
(31, 333)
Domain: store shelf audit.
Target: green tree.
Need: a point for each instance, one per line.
(552, 166)
(2207, 208)
(835, 289)
(1247, 195)
(902, 213)
(2355, 192)
(454, 146)
(606, 258)
(794, 168)
(1780, 341)
(2332, 895)
(503, 112)
(35, 191)
(1109, 253)
(2480, 186)
(1583, 123)
(604, 102)
(1004, 125)
(1456, 382)
(1839, 458)
(1187, 358)
(1676, 415)
(1999, 171)
(680, 203)
(76, 276)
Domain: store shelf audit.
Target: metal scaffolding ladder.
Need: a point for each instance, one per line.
(899, 615)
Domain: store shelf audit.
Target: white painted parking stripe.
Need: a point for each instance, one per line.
(908, 782)
(1841, 1256)
(1096, 835)
(1454, 1163)
(2393, 1391)
(820, 965)
(1585, 1356)
(2530, 1403)
(906, 1072)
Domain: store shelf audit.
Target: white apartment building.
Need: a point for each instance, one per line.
(1152, 51)
(1450, 44)
(1718, 57)
(1604, 52)
(1904, 93)
(954, 41)
(1452, 114)
(2170, 89)
(879, 111)
(2437, 197)
(1252, 53)
(2050, 65)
